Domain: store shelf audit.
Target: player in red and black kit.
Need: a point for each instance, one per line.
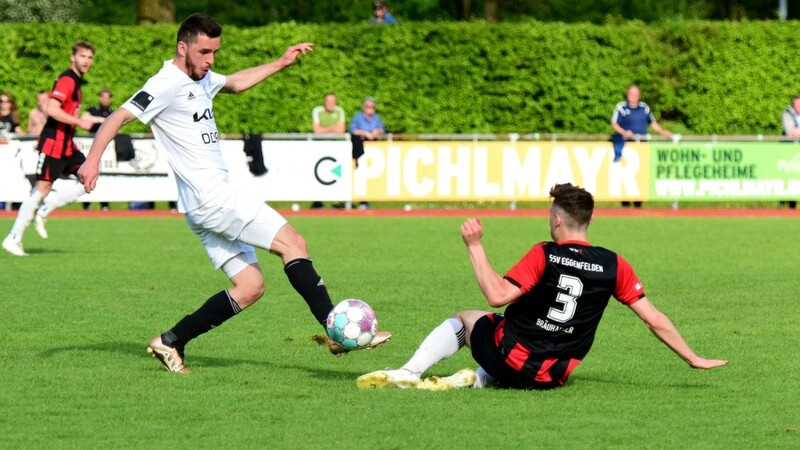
(58, 155)
(555, 297)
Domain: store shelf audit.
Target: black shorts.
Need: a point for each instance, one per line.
(50, 169)
(488, 351)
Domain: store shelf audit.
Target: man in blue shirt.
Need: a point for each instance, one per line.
(631, 118)
(366, 126)
(382, 16)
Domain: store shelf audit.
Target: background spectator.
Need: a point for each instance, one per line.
(38, 116)
(381, 15)
(791, 128)
(629, 119)
(98, 113)
(9, 115)
(327, 118)
(791, 119)
(366, 126)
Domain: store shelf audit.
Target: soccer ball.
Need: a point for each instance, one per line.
(352, 324)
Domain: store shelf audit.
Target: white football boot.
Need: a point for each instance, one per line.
(401, 378)
(461, 379)
(13, 247)
(39, 222)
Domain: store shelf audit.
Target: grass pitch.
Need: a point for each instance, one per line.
(77, 315)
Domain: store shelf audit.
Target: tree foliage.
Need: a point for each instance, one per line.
(261, 12)
(429, 77)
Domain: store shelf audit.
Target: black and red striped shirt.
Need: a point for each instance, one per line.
(566, 287)
(56, 137)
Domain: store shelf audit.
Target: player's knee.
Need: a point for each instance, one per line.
(298, 244)
(296, 247)
(289, 244)
(249, 293)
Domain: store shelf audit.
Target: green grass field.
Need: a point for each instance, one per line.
(77, 315)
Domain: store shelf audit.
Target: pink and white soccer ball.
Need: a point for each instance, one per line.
(352, 324)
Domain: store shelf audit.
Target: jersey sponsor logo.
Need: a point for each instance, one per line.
(191, 96)
(208, 114)
(580, 265)
(327, 171)
(141, 100)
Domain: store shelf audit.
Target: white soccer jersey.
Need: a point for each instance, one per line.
(180, 113)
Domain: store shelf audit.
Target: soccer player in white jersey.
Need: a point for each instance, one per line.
(177, 104)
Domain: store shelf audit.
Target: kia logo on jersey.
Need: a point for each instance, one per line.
(326, 167)
(208, 114)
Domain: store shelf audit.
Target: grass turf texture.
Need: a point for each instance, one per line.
(79, 311)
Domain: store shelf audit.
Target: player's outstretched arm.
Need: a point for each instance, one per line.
(247, 78)
(666, 332)
(54, 110)
(497, 290)
(90, 169)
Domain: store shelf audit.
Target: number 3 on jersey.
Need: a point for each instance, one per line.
(574, 289)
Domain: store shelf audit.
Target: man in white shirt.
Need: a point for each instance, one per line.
(177, 104)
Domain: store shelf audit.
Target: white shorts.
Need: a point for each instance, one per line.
(220, 223)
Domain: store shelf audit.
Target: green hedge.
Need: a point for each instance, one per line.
(699, 77)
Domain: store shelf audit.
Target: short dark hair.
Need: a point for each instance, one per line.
(82, 45)
(197, 24)
(575, 201)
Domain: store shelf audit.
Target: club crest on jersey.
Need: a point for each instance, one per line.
(208, 114)
(141, 100)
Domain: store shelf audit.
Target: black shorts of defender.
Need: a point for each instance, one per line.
(492, 357)
(50, 169)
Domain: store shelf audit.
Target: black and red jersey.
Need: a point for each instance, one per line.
(566, 287)
(56, 137)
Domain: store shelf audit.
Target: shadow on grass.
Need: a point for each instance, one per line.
(193, 361)
(46, 251)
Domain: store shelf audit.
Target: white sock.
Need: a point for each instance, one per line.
(484, 379)
(64, 191)
(25, 215)
(443, 342)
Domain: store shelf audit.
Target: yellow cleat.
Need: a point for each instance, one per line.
(461, 379)
(383, 378)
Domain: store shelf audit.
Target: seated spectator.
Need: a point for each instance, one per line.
(38, 116)
(327, 118)
(9, 115)
(366, 126)
(381, 15)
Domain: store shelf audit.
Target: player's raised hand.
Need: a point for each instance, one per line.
(291, 54)
(472, 231)
(87, 174)
(705, 364)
